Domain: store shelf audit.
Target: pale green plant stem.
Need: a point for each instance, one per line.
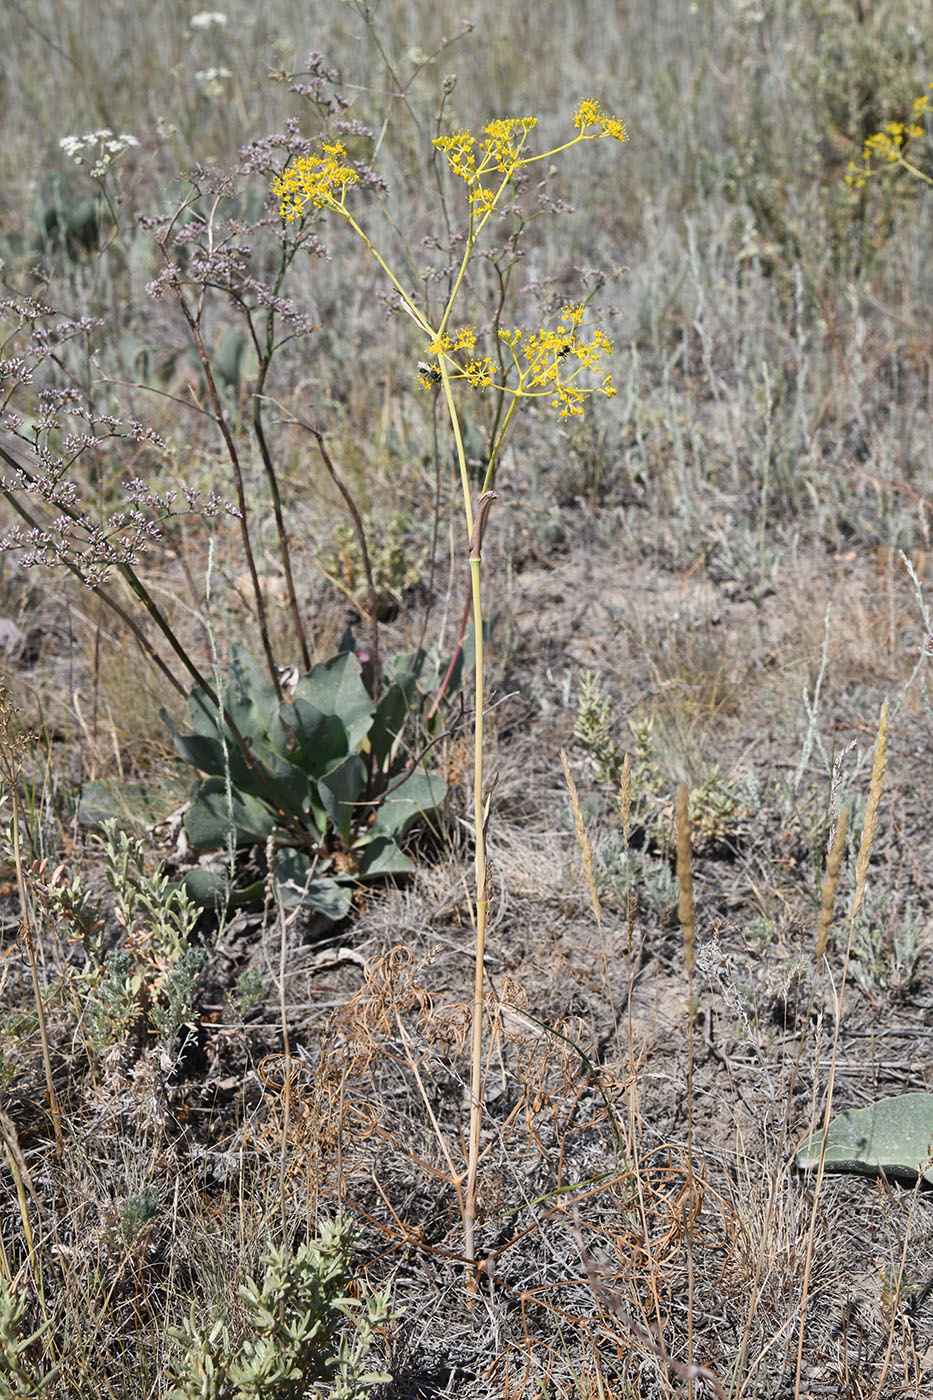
(475, 524)
(490, 476)
(461, 453)
(407, 302)
(909, 167)
(482, 885)
(482, 901)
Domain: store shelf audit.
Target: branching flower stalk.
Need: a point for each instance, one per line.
(124, 567)
(551, 363)
(193, 320)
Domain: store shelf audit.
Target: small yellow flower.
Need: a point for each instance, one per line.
(319, 180)
(889, 147)
(479, 373)
(587, 114)
(590, 113)
(482, 200)
(460, 149)
(501, 147)
(550, 361)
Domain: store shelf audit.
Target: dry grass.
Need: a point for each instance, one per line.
(721, 544)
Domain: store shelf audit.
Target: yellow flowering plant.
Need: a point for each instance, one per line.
(890, 148)
(559, 365)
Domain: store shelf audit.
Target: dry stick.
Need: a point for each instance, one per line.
(23, 1183)
(11, 753)
(455, 1176)
(610, 1300)
(902, 1268)
(287, 1052)
(275, 493)
(687, 915)
(318, 436)
(827, 900)
(869, 827)
(27, 930)
(625, 809)
(143, 596)
(142, 641)
(482, 890)
(219, 418)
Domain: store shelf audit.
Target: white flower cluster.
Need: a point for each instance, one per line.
(206, 19)
(100, 146)
(211, 80)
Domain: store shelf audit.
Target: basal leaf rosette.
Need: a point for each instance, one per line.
(325, 778)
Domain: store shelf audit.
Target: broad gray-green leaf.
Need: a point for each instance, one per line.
(207, 889)
(392, 711)
(893, 1136)
(316, 891)
(272, 778)
(419, 793)
(208, 820)
(134, 805)
(379, 855)
(251, 699)
(336, 688)
(321, 739)
(339, 792)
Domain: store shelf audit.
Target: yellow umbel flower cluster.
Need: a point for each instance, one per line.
(320, 180)
(589, 113)
(550, 361)
(500, 149)
(888, 148)
(546, 363)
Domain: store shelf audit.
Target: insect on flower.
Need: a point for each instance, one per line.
(429, 372)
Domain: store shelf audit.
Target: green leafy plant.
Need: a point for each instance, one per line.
(17, 1380)
(592, 728)
(394, 569)
(147, 984)
(303, 1329)
(325, 777)
(137, 1211)
(716, 811)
